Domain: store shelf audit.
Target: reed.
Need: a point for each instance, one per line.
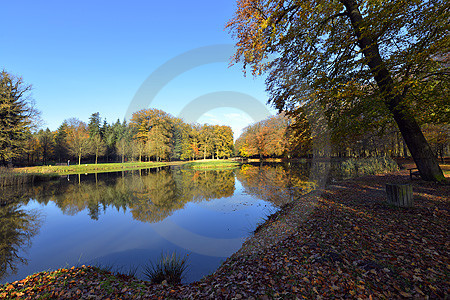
(170, 267)
(10, 177)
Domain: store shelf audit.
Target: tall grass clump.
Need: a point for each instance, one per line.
(368, 166)
(10, 177)
(170, 267)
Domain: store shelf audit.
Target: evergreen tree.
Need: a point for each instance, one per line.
(16, 113)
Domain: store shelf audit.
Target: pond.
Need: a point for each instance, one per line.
(123, 220)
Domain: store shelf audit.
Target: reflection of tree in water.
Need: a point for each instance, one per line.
(205, 185)
(163, 192)
(150, 195)
(275, 183)
(155, 198)
(17, 227)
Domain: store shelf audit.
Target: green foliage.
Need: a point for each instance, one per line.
(16, 116)
(368, 166)
(169, 268)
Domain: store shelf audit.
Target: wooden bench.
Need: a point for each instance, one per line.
(414, 172)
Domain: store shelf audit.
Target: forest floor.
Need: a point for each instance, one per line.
(344, 241)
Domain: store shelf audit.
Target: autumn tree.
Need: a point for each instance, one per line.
(97, 146)
(122, 148)
(264, 138)
(16, 116)
(379, 56)
(206, 135)
(223, 141)
(180, 129)
(144, 120)
(158, 143)
(138, 149)
(77, 138)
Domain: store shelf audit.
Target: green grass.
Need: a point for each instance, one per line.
(211, 164)
(93, 168)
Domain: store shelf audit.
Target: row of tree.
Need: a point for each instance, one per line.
(283, 136)
(151, 134)
(358, 66)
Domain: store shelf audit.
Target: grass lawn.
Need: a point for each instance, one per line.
(211, 164)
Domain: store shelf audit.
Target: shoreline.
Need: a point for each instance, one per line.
(342, 241)
(30, 175)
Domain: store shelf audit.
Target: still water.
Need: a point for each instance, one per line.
(123, 220)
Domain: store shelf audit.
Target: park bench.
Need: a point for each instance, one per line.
(414, 172)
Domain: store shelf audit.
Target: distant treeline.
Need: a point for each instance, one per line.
(283, 136)
(151, 134)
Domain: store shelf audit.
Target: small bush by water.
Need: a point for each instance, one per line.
(170, 267)
(368, 166)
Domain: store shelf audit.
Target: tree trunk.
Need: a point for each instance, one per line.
(412, 134)
(79, 159)
(399, 194)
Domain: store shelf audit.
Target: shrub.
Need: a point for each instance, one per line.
(169, 268)
(368, 166)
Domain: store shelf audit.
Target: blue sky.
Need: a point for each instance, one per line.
(93, 56)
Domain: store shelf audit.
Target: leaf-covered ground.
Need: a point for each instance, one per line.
(342, 242)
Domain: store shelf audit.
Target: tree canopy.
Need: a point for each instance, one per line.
(16, 115)
(371, 61)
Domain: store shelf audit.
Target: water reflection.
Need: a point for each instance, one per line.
(276, 183)
(201, 212)
(17, 227)
(151, 196)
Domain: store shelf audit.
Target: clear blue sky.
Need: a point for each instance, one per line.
(93, 56)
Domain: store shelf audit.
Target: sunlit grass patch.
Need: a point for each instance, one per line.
(211, 164)
(92, 168)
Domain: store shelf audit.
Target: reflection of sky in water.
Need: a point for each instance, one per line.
(208, 231)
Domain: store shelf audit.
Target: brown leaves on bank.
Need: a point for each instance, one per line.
(350, 245)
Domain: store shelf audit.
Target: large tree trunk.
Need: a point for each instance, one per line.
(412, 134)
(418, 146)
